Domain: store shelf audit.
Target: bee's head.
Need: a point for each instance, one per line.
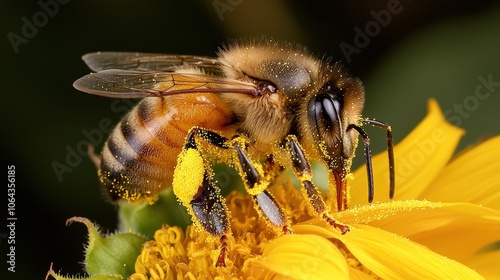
(335, 103)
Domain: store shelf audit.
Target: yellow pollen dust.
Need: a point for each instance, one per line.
(191, 254)
(188, 175)
(260, 186)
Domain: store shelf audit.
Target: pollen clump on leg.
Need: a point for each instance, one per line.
(188, 175)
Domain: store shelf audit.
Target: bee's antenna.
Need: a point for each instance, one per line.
(368, 157)
(390, 151)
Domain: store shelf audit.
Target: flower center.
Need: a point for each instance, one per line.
(193, 253)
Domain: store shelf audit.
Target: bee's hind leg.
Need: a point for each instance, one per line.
(194, 188)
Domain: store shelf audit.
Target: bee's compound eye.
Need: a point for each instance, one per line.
(324, 116)
(324, 111)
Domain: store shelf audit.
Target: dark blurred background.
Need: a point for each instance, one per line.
(411, 51)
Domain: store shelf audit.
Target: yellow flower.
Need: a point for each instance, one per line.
(443, 217)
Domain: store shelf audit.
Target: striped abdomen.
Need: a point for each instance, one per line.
(139, 157)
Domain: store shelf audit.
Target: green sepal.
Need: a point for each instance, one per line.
(146, 218)
(96, 277)
(112, 255)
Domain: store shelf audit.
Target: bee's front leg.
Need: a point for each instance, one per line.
(302, 170)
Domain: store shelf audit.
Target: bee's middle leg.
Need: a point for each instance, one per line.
(256, 185)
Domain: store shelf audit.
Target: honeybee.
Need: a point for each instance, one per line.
(260, 105)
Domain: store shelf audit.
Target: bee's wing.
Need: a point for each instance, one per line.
(100, 61)
(138, 84)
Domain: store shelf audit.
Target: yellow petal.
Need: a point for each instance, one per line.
(418, 159)
(393, 257)
(486, 264)
(355, 274)
(473, 177)
(300, 257)
(455, 230)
